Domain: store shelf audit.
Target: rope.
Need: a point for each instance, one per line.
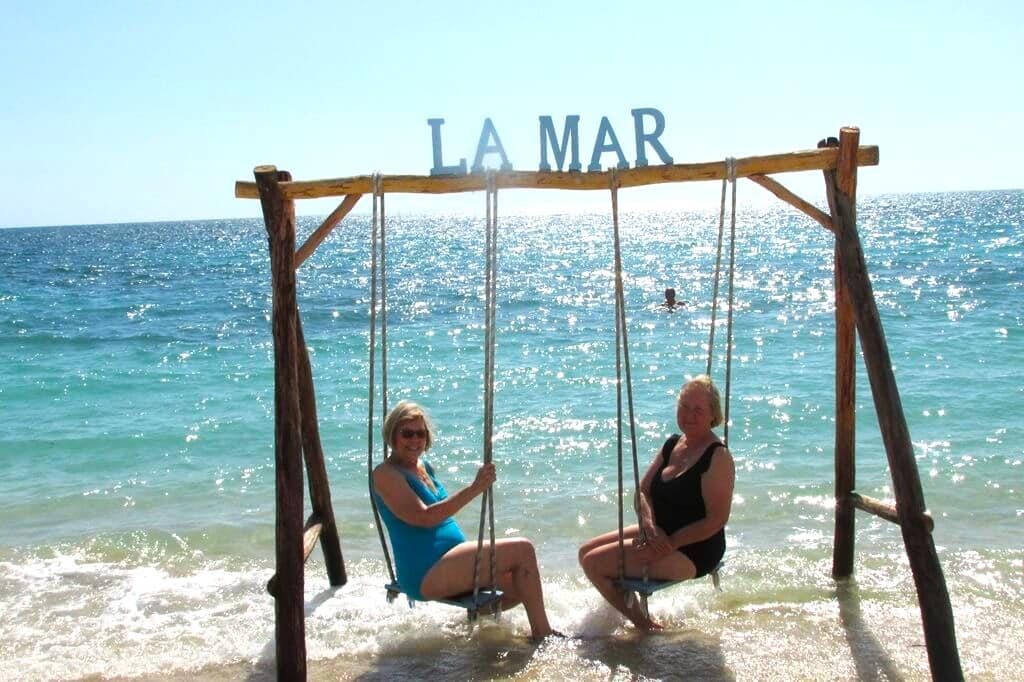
(490, 310)
(618, 370)
(622, 366)
(491, 346)
(730, 164)
(377, 193)
(729, 179)
(718, 272)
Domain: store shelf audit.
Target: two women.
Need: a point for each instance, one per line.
(685, 499)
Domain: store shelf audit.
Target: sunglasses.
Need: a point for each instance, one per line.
(413, 433)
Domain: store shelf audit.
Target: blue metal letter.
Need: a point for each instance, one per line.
(652, 138)
(600, 147)
(439, 167)
(483, 147)
(570, 136)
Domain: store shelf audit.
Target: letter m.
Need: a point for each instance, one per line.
(570, 136)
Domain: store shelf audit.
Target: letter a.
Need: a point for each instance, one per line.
(483, 148)
(600, 147)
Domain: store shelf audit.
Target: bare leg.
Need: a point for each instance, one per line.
(517, 571)
(506, 583)
(612, 536)
(599, 558)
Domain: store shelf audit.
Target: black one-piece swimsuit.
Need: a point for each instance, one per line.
(679, 502)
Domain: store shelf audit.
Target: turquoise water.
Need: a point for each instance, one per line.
(136, 452)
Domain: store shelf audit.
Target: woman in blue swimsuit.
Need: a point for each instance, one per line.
(685, 499)
(432, 556)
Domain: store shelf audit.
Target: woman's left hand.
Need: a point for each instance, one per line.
(648, 553)
(654, 547)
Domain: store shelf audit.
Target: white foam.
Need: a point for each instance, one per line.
(69, 616)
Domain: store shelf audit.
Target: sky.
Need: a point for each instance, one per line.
(121, 111)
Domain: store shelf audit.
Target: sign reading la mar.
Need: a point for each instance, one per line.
(606, 142)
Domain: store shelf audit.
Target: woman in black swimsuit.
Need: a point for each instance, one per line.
(685, 499)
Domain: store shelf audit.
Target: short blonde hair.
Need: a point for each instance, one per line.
(404, 411)
(704, 382)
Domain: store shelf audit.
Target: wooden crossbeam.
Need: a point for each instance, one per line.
(793, 200)
(886, 511)
(320, 234)
(807, 160)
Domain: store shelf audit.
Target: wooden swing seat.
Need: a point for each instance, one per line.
(484, 598)
(648, 587)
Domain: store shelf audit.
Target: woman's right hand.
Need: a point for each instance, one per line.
(485, 476)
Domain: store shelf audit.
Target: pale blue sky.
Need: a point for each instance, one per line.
(133, 111)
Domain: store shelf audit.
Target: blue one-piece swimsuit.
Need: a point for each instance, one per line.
(417, 548)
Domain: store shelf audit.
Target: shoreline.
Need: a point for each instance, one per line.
(809, 629)
(810, 644)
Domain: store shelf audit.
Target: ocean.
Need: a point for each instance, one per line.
(137, 462)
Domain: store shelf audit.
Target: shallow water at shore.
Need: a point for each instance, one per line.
(786, 626)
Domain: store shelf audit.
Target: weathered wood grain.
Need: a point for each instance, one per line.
(792, 162)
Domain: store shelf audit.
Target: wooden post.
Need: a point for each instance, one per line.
(932, 594)
(290, 632)
(846, 380)
(316, 471)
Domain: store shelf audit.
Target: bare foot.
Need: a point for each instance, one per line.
(552, 634)
(649, 625)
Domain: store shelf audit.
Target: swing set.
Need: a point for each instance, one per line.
(296, 431)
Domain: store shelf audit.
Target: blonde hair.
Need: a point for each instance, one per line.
(404, 411)
(704, 382)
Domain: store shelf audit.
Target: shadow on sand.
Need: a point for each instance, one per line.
(869, 657)
(487, 652)
(495, 653)
(491, 652)
(670, 654)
